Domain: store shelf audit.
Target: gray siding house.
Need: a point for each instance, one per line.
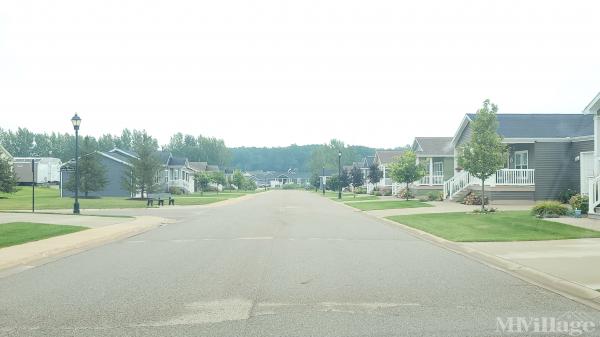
(437, 155)
(547, 153)
(117, 164)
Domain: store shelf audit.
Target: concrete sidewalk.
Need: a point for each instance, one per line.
(568, 267)
(104, 232)
(573, 260)
(63, 219)
(443, 207)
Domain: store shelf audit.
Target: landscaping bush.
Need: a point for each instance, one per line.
(473, 199)
(290, 187)
(435, 196)
(403, 192)
(580, 202)
(565, 196)
(175, 190)
(549, 209)
(360, 190)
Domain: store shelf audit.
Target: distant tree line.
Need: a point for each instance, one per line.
(62, 145)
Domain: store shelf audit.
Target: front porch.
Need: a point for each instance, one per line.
(523, 180)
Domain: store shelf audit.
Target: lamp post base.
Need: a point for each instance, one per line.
(76, 208)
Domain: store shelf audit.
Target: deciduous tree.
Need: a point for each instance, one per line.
(404, 169)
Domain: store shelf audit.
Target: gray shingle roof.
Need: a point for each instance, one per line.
(385, 157)
(434, 146)
(544, 125)
(199, 166)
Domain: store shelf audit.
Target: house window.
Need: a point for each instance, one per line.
(521, 159)
(438, 168)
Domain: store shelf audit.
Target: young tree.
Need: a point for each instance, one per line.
(249, 185)
(92, 174)
(356, 179)
(238, 179)
(315, 181)
(202, 180)
(146, 165)
(8, 178)
(344, 179)
(218, 177)
(375, 174)
(484, 154)
(404, 169)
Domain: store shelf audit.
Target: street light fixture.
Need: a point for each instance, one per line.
(339, 174)
(76, 121)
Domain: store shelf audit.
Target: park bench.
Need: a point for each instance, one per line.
(160, 198)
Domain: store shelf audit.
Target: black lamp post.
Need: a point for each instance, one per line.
(339, 174)
(76, 123)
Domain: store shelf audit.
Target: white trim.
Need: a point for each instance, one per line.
(594, 106)
(123, 153)
(435, 155)
(113, 158)
(463, 124)
(547, 140)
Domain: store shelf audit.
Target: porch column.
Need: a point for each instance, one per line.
(596, 145)
(430, 171)
(384, 176)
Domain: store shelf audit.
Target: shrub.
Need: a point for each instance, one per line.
(473, 199)
(176, 190)
(403, 192)
(360, 190)
(435, 196)
(580, 202)
(565, 196)
(549, 209)
(290, 186)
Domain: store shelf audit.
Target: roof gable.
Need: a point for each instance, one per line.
(433, 146)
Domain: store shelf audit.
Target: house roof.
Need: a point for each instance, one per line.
(212, 167)
(594, 106)
(433, 146)
(368, 161)
(386, 156)
(543, 125)
(177, 161)
(199, 166)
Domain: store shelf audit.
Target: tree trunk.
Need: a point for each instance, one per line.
(407, 191)
(483, 195)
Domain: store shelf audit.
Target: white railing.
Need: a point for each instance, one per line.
(457, 184)
(594, 194)
(431, 180)
(515, 177)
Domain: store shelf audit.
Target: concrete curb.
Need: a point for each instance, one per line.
(568, 289)
(565, 288)
(35, 251)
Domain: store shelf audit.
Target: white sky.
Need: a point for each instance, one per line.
(266, 73)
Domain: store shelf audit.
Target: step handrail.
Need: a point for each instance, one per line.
(457, 183)
(594, 194)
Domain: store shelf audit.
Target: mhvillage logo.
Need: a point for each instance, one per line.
(570, 323)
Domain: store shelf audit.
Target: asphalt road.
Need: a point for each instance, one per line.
(282, 263)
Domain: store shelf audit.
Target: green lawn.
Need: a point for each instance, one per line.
(15, 233)
(386, 204)
(499, 226)
(348, 196)
(48, 198)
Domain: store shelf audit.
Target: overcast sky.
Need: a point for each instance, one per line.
(272, 73)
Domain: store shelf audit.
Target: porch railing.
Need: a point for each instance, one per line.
(515, 177)
(594, 194)
(431, 180)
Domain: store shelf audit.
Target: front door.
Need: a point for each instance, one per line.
(586, 170)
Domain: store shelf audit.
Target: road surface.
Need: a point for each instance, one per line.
(282, 263)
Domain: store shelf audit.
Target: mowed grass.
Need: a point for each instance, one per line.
(15, 233)
(349, 196)
(499, 226)
(49, 198)
(386, 204)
